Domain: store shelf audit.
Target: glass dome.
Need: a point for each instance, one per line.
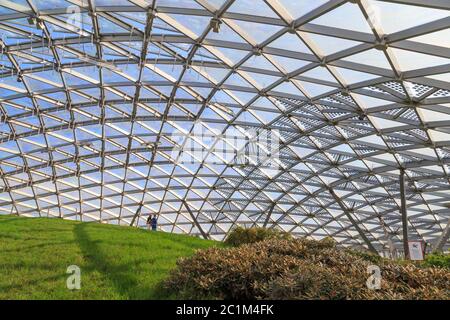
(297, 115)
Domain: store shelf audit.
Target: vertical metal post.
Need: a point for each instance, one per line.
(404, 213)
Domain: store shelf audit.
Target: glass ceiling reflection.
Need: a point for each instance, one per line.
(92, 94)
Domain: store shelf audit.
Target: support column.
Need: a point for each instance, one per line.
(138, 211)
(197, 224)
(388, 238)
(268, 215)
(353, 221)
(404, 213)
(443, 238)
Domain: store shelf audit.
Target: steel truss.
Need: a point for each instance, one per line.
(89, 112)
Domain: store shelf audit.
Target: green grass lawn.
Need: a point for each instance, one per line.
(115, 262)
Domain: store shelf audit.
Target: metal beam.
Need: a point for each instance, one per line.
(404, 213)
(439, 246)
(269, 214)
(353, 221)
(388, 236)
(138, 211)
(145, 44)
(197, 224)
(435, 4)
(30, 167)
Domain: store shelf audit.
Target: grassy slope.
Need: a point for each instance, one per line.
(116, 262)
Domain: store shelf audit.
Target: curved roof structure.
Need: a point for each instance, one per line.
(299, 115)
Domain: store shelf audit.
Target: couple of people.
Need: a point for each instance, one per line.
(152, 221)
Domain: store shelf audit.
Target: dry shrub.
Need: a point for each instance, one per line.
(300, 269)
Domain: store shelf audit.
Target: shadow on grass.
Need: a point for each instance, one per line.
(125, 277)
(117, 274)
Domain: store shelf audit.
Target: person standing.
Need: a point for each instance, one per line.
(149, 222)
(154, 222)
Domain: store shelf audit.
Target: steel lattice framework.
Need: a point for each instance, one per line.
(92, 94)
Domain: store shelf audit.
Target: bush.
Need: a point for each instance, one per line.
(367, 256)
(299, 269)
(438, 260)
(311, 283)
(240, 235)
